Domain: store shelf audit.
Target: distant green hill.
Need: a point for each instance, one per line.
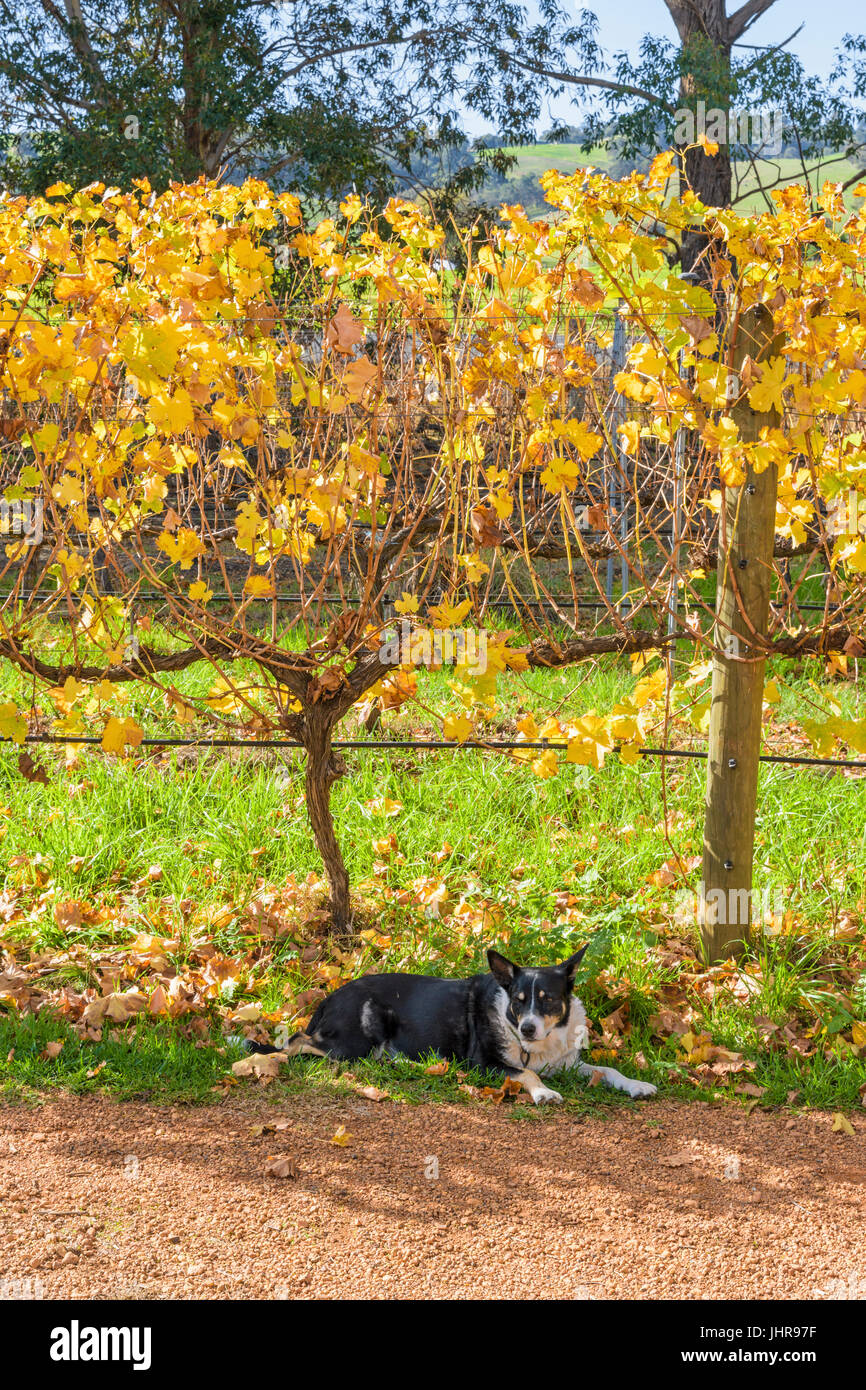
(521, 184)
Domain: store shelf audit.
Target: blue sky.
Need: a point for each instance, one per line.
(624, 22)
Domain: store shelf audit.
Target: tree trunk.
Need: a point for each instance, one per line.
(745, 569)
(201, 147)
(324, 767)
(705, 41)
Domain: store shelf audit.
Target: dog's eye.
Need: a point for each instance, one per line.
(521, 997)
(541, 994)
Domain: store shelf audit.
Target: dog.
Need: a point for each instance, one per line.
(524, 1021)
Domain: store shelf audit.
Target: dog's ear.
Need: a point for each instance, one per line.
(502, 970)
(569, 967)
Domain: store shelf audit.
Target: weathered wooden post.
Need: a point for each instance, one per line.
(744, 575)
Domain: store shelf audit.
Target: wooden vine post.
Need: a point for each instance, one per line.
(745, 570)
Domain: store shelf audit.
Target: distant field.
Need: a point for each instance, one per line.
(535, 159)
(521, 185)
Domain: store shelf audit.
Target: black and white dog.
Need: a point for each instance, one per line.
(524, 1021)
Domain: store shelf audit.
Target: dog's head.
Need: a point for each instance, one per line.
(538, 998)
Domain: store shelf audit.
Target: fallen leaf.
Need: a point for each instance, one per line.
(260, 1064)
(51, 1050)
(248, 1013)
(842, 1125)
(68, 915)
(158, 1001)
(494, 1093)
(342, 1137)
(436, 1069)
(616, 1022)
(33, 771)
(116, 1008)
(668, 1021)
(678, 1160)
(269, 1127)
(281, 1167)
(381, 806)
(766, 1027)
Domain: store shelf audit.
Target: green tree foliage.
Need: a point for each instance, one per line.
(633, 105)
(319, 94)
(324, 95)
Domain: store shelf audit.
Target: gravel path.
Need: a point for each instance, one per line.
(106, 1200)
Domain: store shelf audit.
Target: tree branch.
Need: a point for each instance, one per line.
(743, 18)
(578, 80)
(287, 668)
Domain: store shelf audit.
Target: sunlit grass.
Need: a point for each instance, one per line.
(179, 842)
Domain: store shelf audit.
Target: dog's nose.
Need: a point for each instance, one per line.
(527, 1030)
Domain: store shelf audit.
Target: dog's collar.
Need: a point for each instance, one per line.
(525, 1055)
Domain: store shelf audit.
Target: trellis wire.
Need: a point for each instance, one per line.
(559, 600)
(492, 745)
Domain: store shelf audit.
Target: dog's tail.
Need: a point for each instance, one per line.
(297, 1043)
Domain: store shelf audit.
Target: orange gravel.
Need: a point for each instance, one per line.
(106, 1200)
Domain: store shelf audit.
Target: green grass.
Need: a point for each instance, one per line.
(509, 847)
(156, 1063)
(102, 826)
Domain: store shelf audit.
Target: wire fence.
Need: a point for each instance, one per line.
(349, 601)
(430, 745)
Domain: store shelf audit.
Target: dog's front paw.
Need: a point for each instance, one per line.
(543, 1096)
(640, 1090)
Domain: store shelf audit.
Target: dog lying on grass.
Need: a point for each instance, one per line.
(525, 1021)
